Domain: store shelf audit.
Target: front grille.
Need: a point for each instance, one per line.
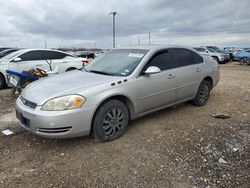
(54, 130)
(28, 103)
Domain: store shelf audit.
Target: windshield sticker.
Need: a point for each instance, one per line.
(126, 70)
(135, 55)
(123, 73)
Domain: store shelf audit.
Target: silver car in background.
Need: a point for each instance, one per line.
(119, 86)
(219, 57)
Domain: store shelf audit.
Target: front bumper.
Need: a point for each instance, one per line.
(221, 58)
(55, 124)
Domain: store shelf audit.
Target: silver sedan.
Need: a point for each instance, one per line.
(119, 86)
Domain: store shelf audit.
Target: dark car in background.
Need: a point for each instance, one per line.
(2, 49)
(7, 51)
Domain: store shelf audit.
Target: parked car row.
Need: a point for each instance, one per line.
(229, 53)
(25, 59)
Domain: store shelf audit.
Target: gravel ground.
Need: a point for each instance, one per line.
(179, 147)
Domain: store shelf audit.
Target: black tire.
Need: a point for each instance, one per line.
(203, 93)
(15, 92)
(70, 69)
(2, 81)
(110, 121)
(244, 61)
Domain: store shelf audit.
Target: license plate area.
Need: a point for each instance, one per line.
(13, 81)
(24, 121)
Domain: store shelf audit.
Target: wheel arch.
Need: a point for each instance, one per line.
(4, 77)
(210, 80)
(124, 99)
(70, 69)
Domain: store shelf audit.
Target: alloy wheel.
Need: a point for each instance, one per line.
(113, 122)
(204, 94)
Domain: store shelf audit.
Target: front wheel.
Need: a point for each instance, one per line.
(110, 121)
(2, 81)
(203, 93)
(15, 92)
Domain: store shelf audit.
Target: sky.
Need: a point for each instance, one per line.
(81, 23)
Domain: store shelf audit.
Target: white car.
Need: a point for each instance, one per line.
(38, 58)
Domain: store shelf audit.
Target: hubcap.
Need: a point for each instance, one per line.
(244, 61)
(204, 93)
(113, 122)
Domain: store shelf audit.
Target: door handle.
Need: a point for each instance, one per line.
(171, 76)
(39, 65)
(65, 62)
(198, 70)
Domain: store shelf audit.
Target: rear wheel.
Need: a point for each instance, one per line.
(2, 81)
(110, 121)
(203, 93)
(244, 61)
(15, 92)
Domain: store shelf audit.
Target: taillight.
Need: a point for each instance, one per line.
(85, 61)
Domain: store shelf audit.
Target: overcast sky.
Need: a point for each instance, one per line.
(79, 23)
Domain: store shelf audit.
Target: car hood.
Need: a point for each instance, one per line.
(71, 82)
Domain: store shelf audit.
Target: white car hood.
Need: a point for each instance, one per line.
(71, 82)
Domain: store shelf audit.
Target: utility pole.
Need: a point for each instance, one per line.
(45, 44)
(114, 14)
(149, 38)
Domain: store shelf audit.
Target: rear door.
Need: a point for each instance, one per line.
(157, 90)
(190, 73)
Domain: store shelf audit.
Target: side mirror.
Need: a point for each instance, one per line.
(152, 70)
(17, 59)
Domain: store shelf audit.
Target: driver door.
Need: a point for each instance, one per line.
(30, 59)
(160, 89)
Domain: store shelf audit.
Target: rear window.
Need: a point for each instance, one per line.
(183, 57)
(197, 58)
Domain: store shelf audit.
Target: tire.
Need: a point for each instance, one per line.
(110, 121)
(2, 81)
(70, 69)
(244, 61)
(203, 93)
(15, 92)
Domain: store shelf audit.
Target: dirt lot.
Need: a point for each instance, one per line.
(180, 147)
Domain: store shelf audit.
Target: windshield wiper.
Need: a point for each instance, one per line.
(100, 72)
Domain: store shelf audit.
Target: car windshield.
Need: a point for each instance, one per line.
(118, 62)
(211, 49)
(11, 55)
(200, 49)
(217, 49)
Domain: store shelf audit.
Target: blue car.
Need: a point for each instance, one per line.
(243, 57)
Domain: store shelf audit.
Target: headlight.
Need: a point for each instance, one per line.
(64, 103)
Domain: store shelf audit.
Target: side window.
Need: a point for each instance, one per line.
(183, 57)
(53, 55)
(31, 56)
(198, 59)
(163, 60)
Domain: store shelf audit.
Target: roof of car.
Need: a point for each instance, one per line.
(152, 47)
(31, 49)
